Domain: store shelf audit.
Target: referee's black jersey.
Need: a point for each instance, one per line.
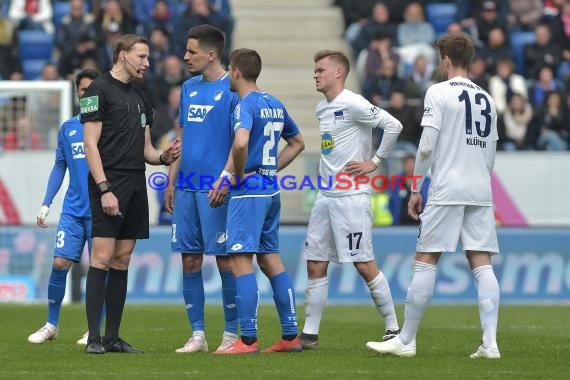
(124, 111)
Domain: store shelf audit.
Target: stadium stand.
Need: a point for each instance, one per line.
(518, 40)
(440, 15)
(32, 68)
(35, 45)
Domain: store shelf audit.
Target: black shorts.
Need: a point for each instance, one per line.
(130, 189)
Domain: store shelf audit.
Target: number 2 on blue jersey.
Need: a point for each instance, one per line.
(269, 153)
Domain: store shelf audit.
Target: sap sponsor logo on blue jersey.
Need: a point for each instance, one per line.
(77, 150)
(198, 112)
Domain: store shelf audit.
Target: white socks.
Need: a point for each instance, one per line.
(315, 300)
(380, 292)
(417, 300)
(488, 295)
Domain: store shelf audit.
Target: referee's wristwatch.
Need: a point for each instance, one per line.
(104, 187)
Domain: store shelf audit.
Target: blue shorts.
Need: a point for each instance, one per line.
(196, 226)
(72, 233)
(253, 224)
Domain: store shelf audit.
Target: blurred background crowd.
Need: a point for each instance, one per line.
(53, 40)
(522, 57)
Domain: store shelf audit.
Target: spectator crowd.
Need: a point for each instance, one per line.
(81, 34)
(522, 59)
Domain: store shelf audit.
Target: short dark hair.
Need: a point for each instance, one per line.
(335, 56)
(126, 43)
(208, 37)
(87, 73)
(458, 47)
(248, 62)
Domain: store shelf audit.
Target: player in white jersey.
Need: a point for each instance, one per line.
(458, 143)
(340, 225)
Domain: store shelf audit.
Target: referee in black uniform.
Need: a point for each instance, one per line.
(117, 116)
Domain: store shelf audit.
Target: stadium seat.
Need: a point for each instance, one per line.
(440, 15)
(60, 9)
(35, 45)
(32, 68)
(518, 41)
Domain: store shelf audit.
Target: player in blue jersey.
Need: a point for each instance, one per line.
(74, 227)
(199, 208)
(260, 121)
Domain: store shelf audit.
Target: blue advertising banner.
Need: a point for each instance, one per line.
(533, 267)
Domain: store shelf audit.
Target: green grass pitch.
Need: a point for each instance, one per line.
(534, 342)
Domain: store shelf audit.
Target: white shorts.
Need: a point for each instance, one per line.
(442, 226)
(340, 229)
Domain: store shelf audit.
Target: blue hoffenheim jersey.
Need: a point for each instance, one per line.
(267, 120)
(205, 112)
(70, 151)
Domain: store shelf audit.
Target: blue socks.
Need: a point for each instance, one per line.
(284, 297)
(56, 292)
(193, 292)
(247, 298)
(229, 302)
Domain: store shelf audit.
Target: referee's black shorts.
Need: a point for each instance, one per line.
(129, 187)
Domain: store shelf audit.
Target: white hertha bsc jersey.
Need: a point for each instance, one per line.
(346, 134)
(466, 118)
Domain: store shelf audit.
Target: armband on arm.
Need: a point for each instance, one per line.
(104, 187)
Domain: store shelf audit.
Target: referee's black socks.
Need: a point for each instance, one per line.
(94, 299)
(115, 300)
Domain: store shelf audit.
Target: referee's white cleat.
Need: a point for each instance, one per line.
(195, 344)
(47, 332)
(83, 340)
(393, 347)
(486, 353)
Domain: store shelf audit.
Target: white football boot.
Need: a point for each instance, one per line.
(394, 347)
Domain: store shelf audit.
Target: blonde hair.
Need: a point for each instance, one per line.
(335, 56)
